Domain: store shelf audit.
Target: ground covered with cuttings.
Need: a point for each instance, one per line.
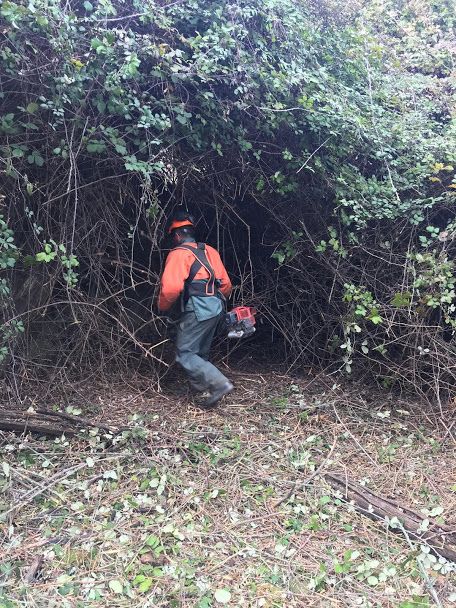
(235, 507)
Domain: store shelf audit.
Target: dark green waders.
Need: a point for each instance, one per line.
(195, 333)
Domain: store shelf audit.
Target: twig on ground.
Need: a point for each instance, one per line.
(297, 484)
(34, 569)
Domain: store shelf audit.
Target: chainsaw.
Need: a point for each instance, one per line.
(240, 322)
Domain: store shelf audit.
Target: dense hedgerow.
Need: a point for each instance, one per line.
(317, 144)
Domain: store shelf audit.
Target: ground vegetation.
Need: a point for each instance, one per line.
(166, 506)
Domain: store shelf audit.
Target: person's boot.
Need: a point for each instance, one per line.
(217, 393)
(196, 389)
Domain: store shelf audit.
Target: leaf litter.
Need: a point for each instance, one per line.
(203, 509)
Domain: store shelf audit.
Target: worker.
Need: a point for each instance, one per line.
(195, 278)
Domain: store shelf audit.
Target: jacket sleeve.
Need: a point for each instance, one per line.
(176, 270)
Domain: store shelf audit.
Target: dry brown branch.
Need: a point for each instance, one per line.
(77, 420)
(43, 421)
(440, 538)
(27, 427)
(34, 569)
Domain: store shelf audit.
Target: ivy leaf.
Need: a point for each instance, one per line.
(35, 158)
(401, 300)
(152, 541)
(120, 146)
(416, 602)
(32, 107)
(116, 586)
(17, 152)
(145, 585)
(96, 43)
(279, 256)
(260, 184)
(372, 580)
(96, 146)
(101, 106)
(43, 256)
(222, 596)
(376, 319)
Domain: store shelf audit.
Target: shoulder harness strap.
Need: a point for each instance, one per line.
(200, 261)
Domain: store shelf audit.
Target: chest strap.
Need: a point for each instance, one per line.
(203, 288)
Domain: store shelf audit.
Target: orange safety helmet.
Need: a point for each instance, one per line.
(179, 220)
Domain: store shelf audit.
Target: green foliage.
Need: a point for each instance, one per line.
(435, 282)
(401, 300)
(134, 87)
(52, 251)
(9, 330)
(8, 250)
(362, 303)
(288, 249)
(417, 601)
(344, 118)
(333, 243)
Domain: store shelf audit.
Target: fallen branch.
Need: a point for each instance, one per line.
(27, 427)
(76, 420)
(23, 422)
(440, 538)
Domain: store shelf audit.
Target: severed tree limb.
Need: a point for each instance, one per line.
(27, 427)
(47, 423)
(440, 538)
(76, 419)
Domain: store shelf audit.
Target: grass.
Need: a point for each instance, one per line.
(195, 509)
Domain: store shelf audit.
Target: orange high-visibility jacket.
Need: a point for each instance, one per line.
(177, 269)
